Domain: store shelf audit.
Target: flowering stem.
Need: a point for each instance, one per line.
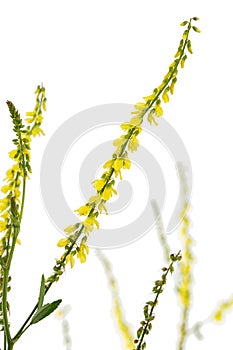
(14, 224)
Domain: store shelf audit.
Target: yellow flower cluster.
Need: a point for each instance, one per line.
(185, 274)
(36, 117)
(152, 103)
(21, 160)
(80, 251)
(118, 311)
(222, 309)
(186, 262)
(151, 106)
(122, 325)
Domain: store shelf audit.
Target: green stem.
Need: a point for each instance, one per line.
(183, 328)
(6, 271)
(5, 308)
(23, 200)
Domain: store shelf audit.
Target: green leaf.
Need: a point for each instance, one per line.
(45, 311)
(42, 292)
(183, 23)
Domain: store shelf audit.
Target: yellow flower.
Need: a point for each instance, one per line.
(99, 184)
(149, 98)
(117, 165)
(6, 188)
(133, 144)
(17, 193)
(84, 210)
(173, 85)
(9, 175)
(30, 114)
(62, 242)
(120, 163)
(3, 225)
(37, 131)
(165, 97)
(108, 192)
(140, 106)
(84, 247)
(91, 221)
(70, 228)
(70, 259)
(151, 118)
(102, 207)
(125, 127)
(223, 307)
(158, 110)
(81, 257)
(108, 164)
(83, 250)
(120, 141)
(4, 203)
(29, 120)
(136, 121)
(18, 241)
(94, 199)
(127, 164)
(5, 215)
(39, 118)
(12, 154)
(218, 316)
(15, 167)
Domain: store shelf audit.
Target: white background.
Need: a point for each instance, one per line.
(93, 52)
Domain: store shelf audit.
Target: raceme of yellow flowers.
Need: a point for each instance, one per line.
(151, 107)
(21, 160)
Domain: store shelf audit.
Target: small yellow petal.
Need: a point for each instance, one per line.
(127, 164)
(5, 188)
(99, 184)
(158, 110)
(70, 259)
(165, 97)
(118, 164)
(62, 242)
(149, 98)
(108, 164)
(70, 229)
(93, 199)
(3, 225)
(136, 121)
(12, 154)
(84, 210)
